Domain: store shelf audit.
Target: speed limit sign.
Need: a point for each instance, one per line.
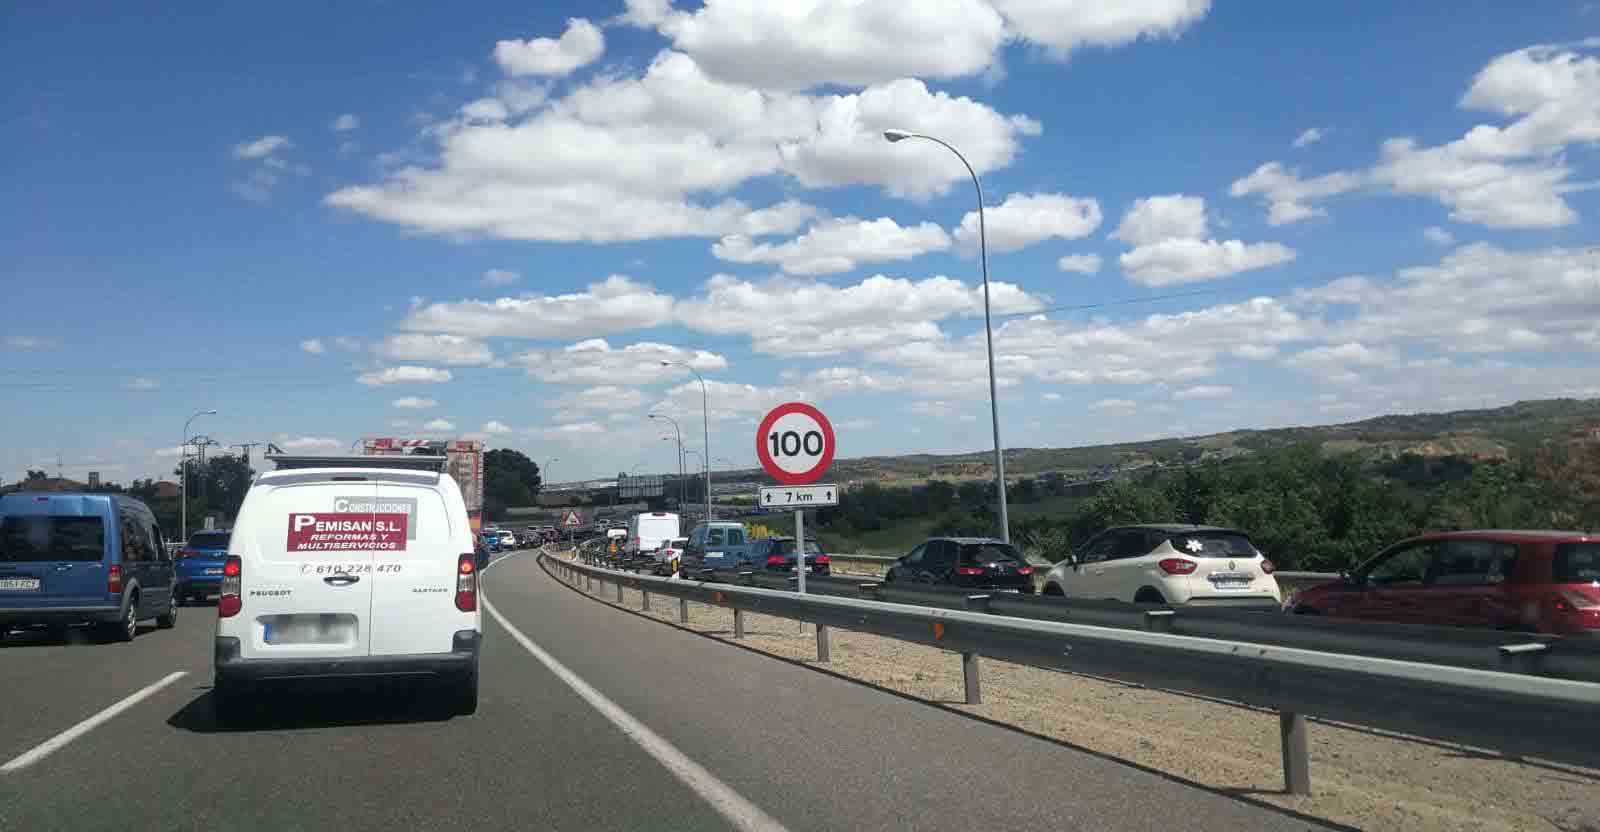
(795, 443)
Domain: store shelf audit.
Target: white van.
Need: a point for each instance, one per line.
(348, 567)
(648, 530)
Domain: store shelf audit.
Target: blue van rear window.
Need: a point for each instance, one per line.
(25, 538)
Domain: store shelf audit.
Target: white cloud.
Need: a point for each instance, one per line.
(1167, 232)
(404, 375)
(1079, 263)
(456, 350)
(439, 425)
(142, 383)
(570, 432)
(1438, 236)
(581, 44)
(346, 343)
(604, 397)
(500, 277)
(1311, 136)
(1340, 356)
(727, 400)
(25, 343)
(494, 427)
(1203, 391)
(1114, 404)
(595, 362)
(261, 148)
(804, 43)
(617, 304)
(1511, 176)
(309, 443)
(1065, 25)
(313, 346)
(1051, 397)
(837, 245)
(797, 317)
(414, 403)
(346, 122)
(1025, 219)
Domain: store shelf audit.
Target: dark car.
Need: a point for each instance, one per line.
(199, 564)
(776, 554)
(966, 562)
(480, 550)
(1537, 581)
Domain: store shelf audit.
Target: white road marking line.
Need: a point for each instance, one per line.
(56, 743)
(732, 806)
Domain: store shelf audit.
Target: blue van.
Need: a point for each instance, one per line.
(95, 559)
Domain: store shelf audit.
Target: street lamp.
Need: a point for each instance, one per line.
(705, 426)
(183, 475)
(988, 332)
(679, 434)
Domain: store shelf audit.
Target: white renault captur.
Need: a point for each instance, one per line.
(349, 567)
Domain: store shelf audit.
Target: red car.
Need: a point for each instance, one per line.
(1540, 581)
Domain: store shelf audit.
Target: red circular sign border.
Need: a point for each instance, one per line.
(804, 477)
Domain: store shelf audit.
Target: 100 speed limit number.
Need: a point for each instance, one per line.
(795, 443)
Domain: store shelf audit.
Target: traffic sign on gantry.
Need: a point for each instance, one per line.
(795, 443)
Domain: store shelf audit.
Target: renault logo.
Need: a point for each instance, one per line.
(1230, 564)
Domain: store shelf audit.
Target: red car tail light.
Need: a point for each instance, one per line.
(230, 603)
(822, 559)
(1567, 601)
(1024, 570)
(114, 580)
(1177, 566)
(969, 570)
(466, 583)
(777, 560)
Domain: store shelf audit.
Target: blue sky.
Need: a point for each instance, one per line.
(406, 220)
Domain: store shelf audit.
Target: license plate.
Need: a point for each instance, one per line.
(1010, 591)
(809, 569)
(19, 584)
(213, 571)
(1230, 581)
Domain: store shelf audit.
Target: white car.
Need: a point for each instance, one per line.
(1168, 564)
(508, 539)
(349, 567)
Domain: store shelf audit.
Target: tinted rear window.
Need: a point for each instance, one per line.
(1213, 545)
(1577, 562)
(35, 538)
(990, 553)
(786, 547)
(209, 540)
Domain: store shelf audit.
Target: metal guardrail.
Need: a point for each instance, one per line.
(1518, 714)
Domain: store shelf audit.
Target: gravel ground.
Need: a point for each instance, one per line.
(1359, 777)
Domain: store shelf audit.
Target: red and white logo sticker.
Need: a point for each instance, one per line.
(347, 532)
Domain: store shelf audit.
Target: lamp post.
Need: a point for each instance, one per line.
(988, 332)
(679, 434)
(183, 475)
(705, 426)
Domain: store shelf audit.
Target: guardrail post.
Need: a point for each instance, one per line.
(1522, 658)
(738, 623)
(1296, 759)
(822, 643)
(619, 590)
(969, 676)
(644, 600)
(1159, 621)
(871, 590)
(747, 578)
(978, 603)
(683, 610)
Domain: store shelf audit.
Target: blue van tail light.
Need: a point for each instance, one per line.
(230, 603)
(114, 580)
(466, 583)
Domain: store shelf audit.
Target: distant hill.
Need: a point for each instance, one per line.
(1490, 433)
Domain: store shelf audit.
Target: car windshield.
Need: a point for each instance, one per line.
(1577, 563)
(1212, 544)
(981, 553)
(209, 540)
(25, 538)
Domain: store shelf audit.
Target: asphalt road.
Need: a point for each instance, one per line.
(804, 749)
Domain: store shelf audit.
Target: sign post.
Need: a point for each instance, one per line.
(795, 444)
(570, 521)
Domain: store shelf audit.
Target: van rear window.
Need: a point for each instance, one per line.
(1577, 563)
(25, 538)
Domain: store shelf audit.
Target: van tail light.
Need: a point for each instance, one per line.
(230, 603)
(969, 570)
(114, 580)
(1177, 566)
(1567, 601)
(466, 583)
(1267, 567)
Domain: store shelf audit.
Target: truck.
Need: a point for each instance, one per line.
(464, 464)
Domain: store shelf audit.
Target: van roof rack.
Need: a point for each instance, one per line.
(398, 462)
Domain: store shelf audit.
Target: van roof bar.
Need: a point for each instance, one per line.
(398, 462)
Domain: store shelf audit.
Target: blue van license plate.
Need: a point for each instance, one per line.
(19, 584)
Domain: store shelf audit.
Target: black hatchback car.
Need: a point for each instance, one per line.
(776, 554)
(966, 562)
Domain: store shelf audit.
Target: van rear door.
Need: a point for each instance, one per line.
(306, 549)
(413, 586)
(53, 551)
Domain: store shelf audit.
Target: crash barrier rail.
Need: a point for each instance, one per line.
(1516, 713)
(1485, 649)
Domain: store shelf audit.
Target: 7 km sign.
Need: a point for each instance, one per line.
(795, 443)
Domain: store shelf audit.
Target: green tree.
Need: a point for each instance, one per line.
(510, 478)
